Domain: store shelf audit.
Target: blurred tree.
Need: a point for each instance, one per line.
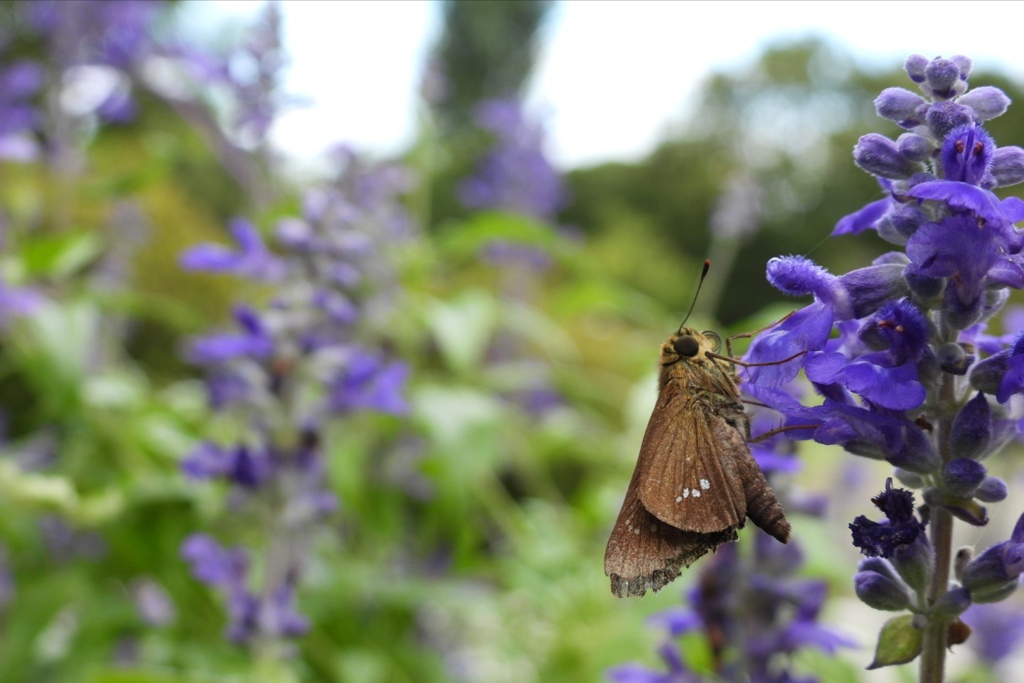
(486, 51)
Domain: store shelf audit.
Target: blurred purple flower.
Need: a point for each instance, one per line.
(254, 260)
(516, 174)
(368, 383)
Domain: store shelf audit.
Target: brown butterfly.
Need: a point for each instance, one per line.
(695, 481)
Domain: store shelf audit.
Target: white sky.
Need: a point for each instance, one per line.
(612, 76)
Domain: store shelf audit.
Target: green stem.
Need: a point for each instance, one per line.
(933, 652)
(933, 647)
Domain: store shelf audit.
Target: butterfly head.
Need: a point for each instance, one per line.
(688, 343)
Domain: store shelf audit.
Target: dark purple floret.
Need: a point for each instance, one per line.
(901, 526)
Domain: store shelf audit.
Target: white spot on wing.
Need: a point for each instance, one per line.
(705, 484)
(679, 499)
(686, 493)
(695, 493)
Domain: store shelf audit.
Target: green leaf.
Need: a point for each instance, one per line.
(62, 255)
(898, 642)
(463, 327)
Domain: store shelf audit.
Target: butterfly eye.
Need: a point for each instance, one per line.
(716, 341)
(686, 345)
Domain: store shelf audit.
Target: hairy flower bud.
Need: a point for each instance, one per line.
(991, 490)
(915, 66)
(1007, 166)
(952, 603)
(913, 562)
(945, 116)
(962, 476)
(987, 102)
(915, 147)
(986, 375)
(899, 105)
(880, 156)
(990, 577)
(972, 430)
(942, 77)
(881, 592)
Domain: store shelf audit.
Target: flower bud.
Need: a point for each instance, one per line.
(1007, 166)
(899, 105)
(987, 374)
(879, 155)
(917, 453)
(915, 147)
(870, 287)
(924, 286)
(953, 359)
(945, 116)
(881, 592)
(942, 77)
(913, 562)
(987, 102)
(909, 479)
(965, 65)
(988, 577)
(952, 603)
(915, 67)
(961, 476)
(972, 431)
(963, 557)
(992, 490)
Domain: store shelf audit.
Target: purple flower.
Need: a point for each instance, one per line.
(901, 526)
(253, 261)
(213, 564)
(868, 215)
(516, 175)
(993, 574)
(997, 630)
(1013, 381)
(886, 378)
(17, 301)
(254, 341)
(972, 255)
(369, 383)
(677, 669)
(239, 464)
(966, 154)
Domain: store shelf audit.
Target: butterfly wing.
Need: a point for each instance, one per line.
(688, 474)
(644, 553)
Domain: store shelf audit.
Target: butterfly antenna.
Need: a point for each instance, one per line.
(703, 274)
